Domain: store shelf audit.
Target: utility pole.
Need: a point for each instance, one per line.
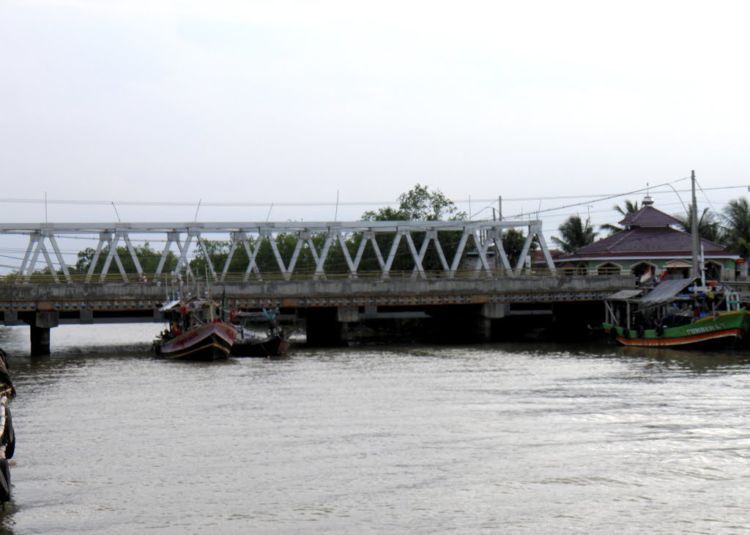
(500, 208)
(694, 229)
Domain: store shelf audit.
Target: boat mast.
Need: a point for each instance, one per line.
(694, 228)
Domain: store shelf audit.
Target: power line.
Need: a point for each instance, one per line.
(264, 204)
(606, 198)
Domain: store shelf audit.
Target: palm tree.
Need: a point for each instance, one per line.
(574, 234)
(736, 232)
(708, 226)
(630, 207)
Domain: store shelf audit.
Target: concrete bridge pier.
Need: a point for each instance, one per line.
(484, 320)
(40, 341)
(40, 332)
(323, 327)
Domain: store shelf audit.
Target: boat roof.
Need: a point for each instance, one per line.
(624, 295)
(193, 303)
(665, 291)
(171, 305)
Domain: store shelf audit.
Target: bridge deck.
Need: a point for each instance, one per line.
(140, 299)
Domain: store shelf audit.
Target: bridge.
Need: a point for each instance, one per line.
(331, 274)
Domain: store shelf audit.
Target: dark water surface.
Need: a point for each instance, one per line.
(493, 438)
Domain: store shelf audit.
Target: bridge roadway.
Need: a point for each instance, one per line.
(46, 305)
(139, 302)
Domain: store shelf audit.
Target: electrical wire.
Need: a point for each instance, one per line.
(241, 204)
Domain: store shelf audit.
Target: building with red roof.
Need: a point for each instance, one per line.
(651, 243)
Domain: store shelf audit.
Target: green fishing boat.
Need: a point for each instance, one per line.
(677, 313)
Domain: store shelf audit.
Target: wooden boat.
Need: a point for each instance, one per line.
(248, 344)
(209, 341)
(274, 345)
(677, 313)
(195, 333)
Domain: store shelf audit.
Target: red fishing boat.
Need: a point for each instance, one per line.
(195, 333)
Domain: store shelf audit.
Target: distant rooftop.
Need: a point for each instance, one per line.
(648, 233)
(648, 216)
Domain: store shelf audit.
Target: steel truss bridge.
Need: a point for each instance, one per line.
(470, 278)
(483, 238)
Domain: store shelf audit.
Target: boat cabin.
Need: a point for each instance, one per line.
(670, 303)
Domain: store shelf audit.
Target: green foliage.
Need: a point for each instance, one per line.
(736, 223)
(418, 204)
(630, 207)
(513, 240)
(708, 224)
(574, 234)
(265, 259)
(148, 258)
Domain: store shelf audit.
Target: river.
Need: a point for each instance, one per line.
(511, 438)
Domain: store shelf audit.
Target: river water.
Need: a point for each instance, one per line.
(476, 439)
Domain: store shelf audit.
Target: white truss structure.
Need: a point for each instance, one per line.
(484, 236)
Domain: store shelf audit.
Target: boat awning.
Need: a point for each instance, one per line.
(665, 291)
(169, 306)
(624, 295)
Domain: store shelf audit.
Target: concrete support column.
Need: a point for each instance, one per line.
(482, 329)
(483, 322)
(347, 314)
(43, 321)
(495, 311)
(40, 341)
(323, 328)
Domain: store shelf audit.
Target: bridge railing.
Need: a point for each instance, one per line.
(169, 279)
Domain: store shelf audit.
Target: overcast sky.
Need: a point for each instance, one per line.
(284, 101)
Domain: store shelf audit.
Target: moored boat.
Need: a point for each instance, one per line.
(274, 345)
(677, 313)
(249, 344)
(195, 333)
(209, 341)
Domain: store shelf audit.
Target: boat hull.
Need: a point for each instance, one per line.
(725, 329)
(210, 341)
(275, 346)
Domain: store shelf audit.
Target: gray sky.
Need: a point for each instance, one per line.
(292, 101)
